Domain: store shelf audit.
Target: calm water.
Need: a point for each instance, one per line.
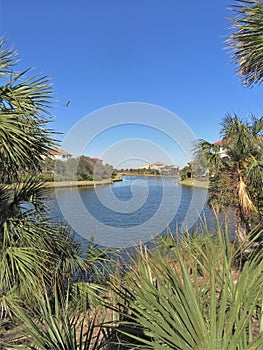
(132, 211)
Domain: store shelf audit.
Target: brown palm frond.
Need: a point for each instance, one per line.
(244, 200)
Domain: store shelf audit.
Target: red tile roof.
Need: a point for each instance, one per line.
(222, 141)
(59, 151)
(229, 139)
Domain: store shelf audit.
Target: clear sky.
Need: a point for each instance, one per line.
(168, 53)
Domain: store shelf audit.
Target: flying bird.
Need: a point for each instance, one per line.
(67, 104)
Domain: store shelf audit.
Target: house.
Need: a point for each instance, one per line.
(98, 160)
(157, 166)
(170, 170)
(161, 167)
(59, 154)
(222, 151)
(145, 166)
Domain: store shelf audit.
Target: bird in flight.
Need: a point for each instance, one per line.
(67, 104)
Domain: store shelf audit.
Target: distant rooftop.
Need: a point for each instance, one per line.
(222, 141)
(59, 151)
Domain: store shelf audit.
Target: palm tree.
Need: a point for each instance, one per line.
(24, 138)
(23, 143)
(39, 259)
(236, 180)
(247, 40)
(33, 251)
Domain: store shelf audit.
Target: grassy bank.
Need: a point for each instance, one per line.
(83, 183)
(194, 183)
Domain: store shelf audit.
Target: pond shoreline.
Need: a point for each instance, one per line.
(86, 183)
(91, 183)
(194, 183)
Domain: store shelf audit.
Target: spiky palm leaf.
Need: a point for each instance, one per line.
(36, 255)
(33, 251)
(55, 327)
(24, 138)
(7, 59)
(192, 299)
(247, 40)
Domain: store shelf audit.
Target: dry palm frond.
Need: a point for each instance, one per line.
(244, 200)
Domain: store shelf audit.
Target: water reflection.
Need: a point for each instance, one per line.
(132, 211)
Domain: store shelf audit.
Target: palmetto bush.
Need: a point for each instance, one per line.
(57, 326)
(194, 297)
(198, 294)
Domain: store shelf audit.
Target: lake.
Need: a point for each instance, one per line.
(134, 210)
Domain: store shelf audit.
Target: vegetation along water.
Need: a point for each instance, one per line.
(196, 291)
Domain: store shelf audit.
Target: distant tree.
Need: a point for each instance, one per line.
(236, 180)
(186, 172)
(48, 165)
(85, 167)
(247, 40)
(108, 171)
(60, 167)
(82, 168)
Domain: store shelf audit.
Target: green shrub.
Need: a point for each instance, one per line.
(193, 297)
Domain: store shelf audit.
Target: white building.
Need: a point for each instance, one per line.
(170, 170)
(222, 151)
(59, 154)
(161, 167)
(157, 166)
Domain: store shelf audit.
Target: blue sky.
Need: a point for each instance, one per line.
(168, 53)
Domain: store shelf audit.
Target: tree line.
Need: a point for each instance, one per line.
(79, 168)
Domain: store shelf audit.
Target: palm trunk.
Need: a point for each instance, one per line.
(241, 230)
(244, 210)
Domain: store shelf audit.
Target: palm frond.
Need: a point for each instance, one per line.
(193, 299)
(7, 59)
(54, 327)
(27, 95)
(244, 200)
(20, 262)
(246, 41)
(23, 144)
(25, 140)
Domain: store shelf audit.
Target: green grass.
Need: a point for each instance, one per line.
(194, 183)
